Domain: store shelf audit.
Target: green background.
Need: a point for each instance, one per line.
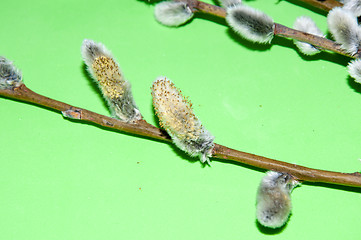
(60, 179)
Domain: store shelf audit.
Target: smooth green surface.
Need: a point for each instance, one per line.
(61, 179)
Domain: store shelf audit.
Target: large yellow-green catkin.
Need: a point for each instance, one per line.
(109, 77)
(177, 118)
(115, 89)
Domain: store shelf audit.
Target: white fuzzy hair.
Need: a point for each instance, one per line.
(344, 29)
(230, 3)
(353, 6)
(354, 69)
(10, 76)
(90, 50)
(251, 23)
(274, 200)
(306, 24)
(172, 14)
(177, 118)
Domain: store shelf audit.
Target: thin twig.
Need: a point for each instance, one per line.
(142, 128)
(279, 30)
(320, 42)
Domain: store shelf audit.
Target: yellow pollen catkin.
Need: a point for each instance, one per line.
(109, 77)
(177, 118)
(115, 89)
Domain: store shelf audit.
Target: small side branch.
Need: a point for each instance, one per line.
(320, 42)
(279, 30)
(325, 5)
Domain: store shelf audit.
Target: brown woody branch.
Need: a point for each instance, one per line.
(279, 30)
(325, 5)
(142, 128)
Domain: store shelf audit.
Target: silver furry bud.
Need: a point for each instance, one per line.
(251, 23)
(274, 199)
(306, 24)
(345, 29)
(10, 76)
(172, 14)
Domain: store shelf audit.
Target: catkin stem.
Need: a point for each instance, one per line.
(142, 128)
(279, 30)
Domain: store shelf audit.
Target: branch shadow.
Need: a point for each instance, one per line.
(246, 43)
(323, 55)
(271, 231)
(354, 85)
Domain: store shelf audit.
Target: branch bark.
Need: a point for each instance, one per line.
(325, 5)
(142, 128)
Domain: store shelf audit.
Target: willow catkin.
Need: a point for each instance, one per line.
(172, 14)
(106, 73)
(274, 199)
(250, 23)
(10, 76)
(177, 118)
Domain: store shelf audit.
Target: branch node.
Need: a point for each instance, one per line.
(72, 114)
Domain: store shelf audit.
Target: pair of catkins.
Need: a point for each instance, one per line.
(177, 118)
(256, 26)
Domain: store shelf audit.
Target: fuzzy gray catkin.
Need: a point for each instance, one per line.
(353, 6)
(10, 76)
(106, 73)
(306, 24)
(230, 3)
(344, 29)
(177, 118)
(250, 23)
(274, 199)
(354, 69)
(172, 14)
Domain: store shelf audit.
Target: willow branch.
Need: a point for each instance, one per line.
(279, 30)
(142, 128)
(325, 5)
